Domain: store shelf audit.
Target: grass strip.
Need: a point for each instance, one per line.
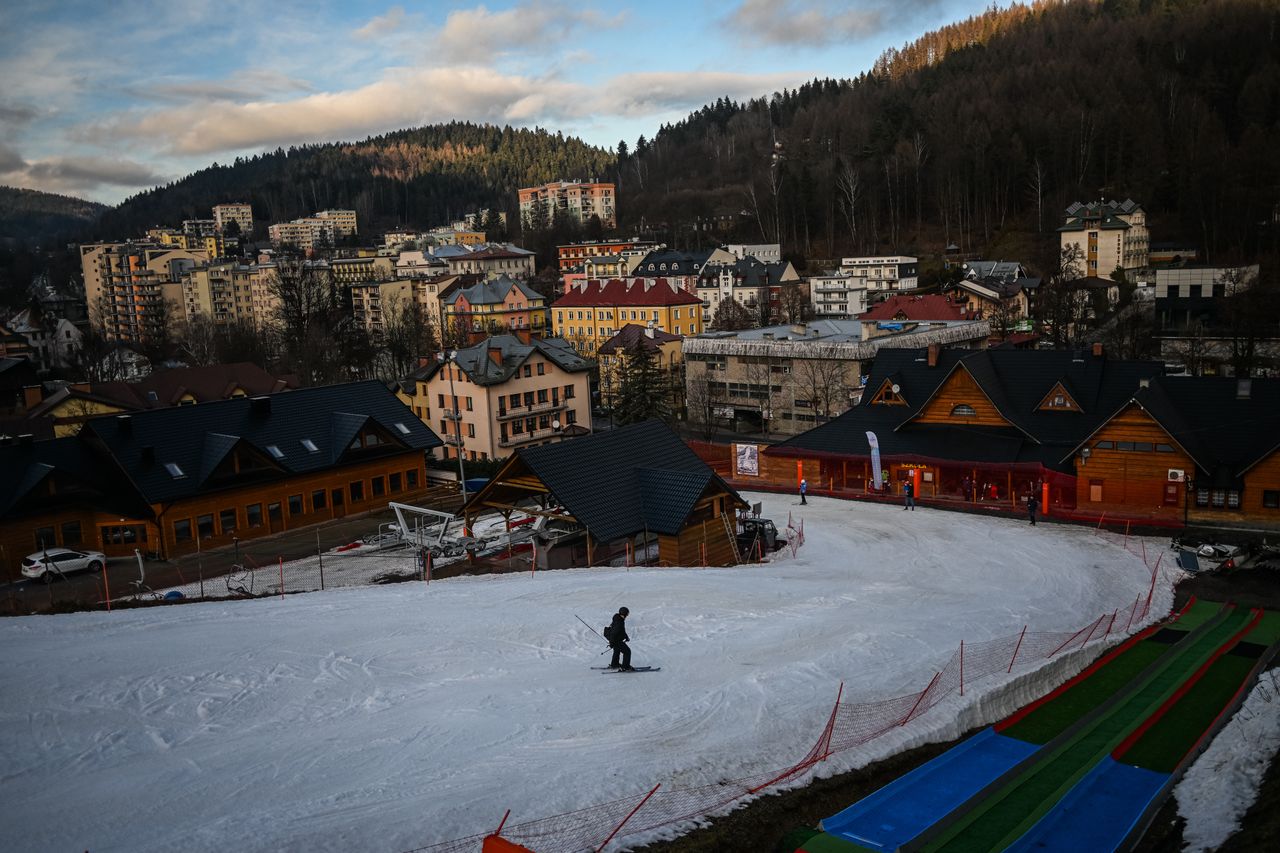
(1009, 812)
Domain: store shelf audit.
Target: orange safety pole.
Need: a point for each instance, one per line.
(1015, 649)
(799, 472)
(916, 476)
(1044, 498)
(1133, 613)
(282, 578)
(628, 817)
(1111, 624)
(106, 585)
(920, 699)
(831, 725)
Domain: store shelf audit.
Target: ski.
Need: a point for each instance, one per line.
(634, 669)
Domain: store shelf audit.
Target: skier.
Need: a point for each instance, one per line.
(617, 637)
(804, 487)
(1032, 504)
(909, 489)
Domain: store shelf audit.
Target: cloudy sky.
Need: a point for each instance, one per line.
(102, 99)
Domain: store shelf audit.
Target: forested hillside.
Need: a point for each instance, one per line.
(995, 125)
(33, 215)
(424, 176)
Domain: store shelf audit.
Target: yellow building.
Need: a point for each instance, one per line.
(133, 290)
(221, 292)
(593, 312)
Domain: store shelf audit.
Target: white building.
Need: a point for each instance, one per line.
(766, 252)
(895, 272)
(237, 212)
(1108, 234)
(838, 295)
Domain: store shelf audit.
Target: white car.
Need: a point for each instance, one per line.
(49, 563)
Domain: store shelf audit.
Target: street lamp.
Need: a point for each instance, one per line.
(446, 357)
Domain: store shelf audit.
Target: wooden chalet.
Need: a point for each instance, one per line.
(1196, 450)
(986, 426)
(624, 490)
(173, 480)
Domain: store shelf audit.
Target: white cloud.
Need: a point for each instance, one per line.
(476, 34)
(648, 92)
(392, 22)
(249, 84)
(80, 176)
(817, 22)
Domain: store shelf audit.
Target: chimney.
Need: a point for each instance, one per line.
(1244, 387)
(648, 331)
(495, 355)
(32, 395)
(124, 425)
(260, 406)
(1097, 350)
(934, 351)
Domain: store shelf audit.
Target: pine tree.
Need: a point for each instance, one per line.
(642, 391)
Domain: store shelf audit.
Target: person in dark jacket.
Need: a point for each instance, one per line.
(1032, 505)
(804, 488)
(618, 641)
(909, 489)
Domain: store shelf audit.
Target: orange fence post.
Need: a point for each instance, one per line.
(1015, 649)
(106, 586)
(831, 724)
(1132, 614)
(629, 816)
(920, 699)
(1044, 498)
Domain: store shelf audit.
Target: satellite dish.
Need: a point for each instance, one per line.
(895, 388)
(555, 424)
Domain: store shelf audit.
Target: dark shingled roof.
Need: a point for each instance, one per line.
(1016, 382)
(198, 438)
(629, 334)
(475, 361)
(623, 481)
(77, 470)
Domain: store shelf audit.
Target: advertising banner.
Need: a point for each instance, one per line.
(875, 460)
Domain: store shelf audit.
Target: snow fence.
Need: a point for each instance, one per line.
(850, 725)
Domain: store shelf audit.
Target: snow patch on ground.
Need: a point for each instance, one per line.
(392, 717)
(1223, 782)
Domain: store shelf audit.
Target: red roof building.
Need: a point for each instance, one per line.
(929, 308)
(593, 312)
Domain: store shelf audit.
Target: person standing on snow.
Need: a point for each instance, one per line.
(1032, 505)
(804, 488)
(616, 634)
(909, 489)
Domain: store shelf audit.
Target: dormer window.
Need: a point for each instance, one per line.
(175, 471)
(404, 430)
(1058, 400)
(963, 410)
(275, 451)
(310, 445)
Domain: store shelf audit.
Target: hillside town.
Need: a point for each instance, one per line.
(924, 423)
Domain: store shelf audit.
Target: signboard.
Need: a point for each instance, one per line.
(723, 412)
(746, 459)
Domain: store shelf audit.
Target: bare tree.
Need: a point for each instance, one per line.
(407, 333)
(307, 316)
(793, 304)
(731, 316)
(759, 373)
(703, 396)
(825, 383)
(849, 185)
(1192, 348)
(198, 343)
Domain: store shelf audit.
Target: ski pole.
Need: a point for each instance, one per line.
(594, 631)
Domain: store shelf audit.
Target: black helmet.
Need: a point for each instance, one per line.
(624, 611)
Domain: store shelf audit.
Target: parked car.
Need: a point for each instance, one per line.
(49, 563)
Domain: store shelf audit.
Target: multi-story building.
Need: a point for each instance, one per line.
(769, 253)
(494, 261)
(837, 295)
(222, 292)
(679, 268)
(492, 306)
(502, 394)
(905, 313)
(665, 350)
(1190, 294)
(1109, 235)
(753, 284)
(896, 272)
(199, 227)
(571, 255)
(589, 314)
(306, 234)
(344, 221)
(133, 290)
(348, 271)
(238, 212)
(578, 199)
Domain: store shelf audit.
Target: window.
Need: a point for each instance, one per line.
(542, 368)
(542, 395)
(404, 430)
(357, 490)
(568, 392)
(174, 471)
(1271, 499)
(528, 371)
(310, 445)
(227, 520)
(571, 417)
(295, 504)
(204, 526)
(44, 537)
(275, 451)
(963, 410)
(71, 533)
(544, 421)
(517, 427)
(379, 486)
(469, 409)
(515, 401)
(318, 500)
(1124, 445)
(1164, 448)
(471, 430)
(253, 515)
(1095, 491)
(411, 478)
(274, 513)
(1144, 447)
(528, 399)
(1202, 497)
(182, 530)
(1233, 499)
(394, 480)
(1218, 498)
(441, 396)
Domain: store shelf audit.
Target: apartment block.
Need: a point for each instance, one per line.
(133, 290)
(571, 255)
(494, 305)
(223, 293)
(593, 312)
(502, 394)
(238, 212)
(495, 260)
(1109, 235)
(310, 232)
(344, 221)
(838, 295)
(580, 200)
(895, 272)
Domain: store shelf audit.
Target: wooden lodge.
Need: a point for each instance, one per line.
(174, 480)
(623, 492)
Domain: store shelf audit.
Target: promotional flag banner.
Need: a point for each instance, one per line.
(875, 460)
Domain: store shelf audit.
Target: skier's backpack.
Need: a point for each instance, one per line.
(608, 631)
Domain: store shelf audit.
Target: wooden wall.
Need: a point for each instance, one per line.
(1265, 476)
(961, 388)
(1133, 483)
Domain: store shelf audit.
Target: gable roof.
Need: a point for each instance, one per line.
(630, 334)
(198, 438)
(623, 481)
(165, 388)
(28, 464)
(490, 292)
(927, 308)
(477, 362)
(1015, 381)
(638, 292)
